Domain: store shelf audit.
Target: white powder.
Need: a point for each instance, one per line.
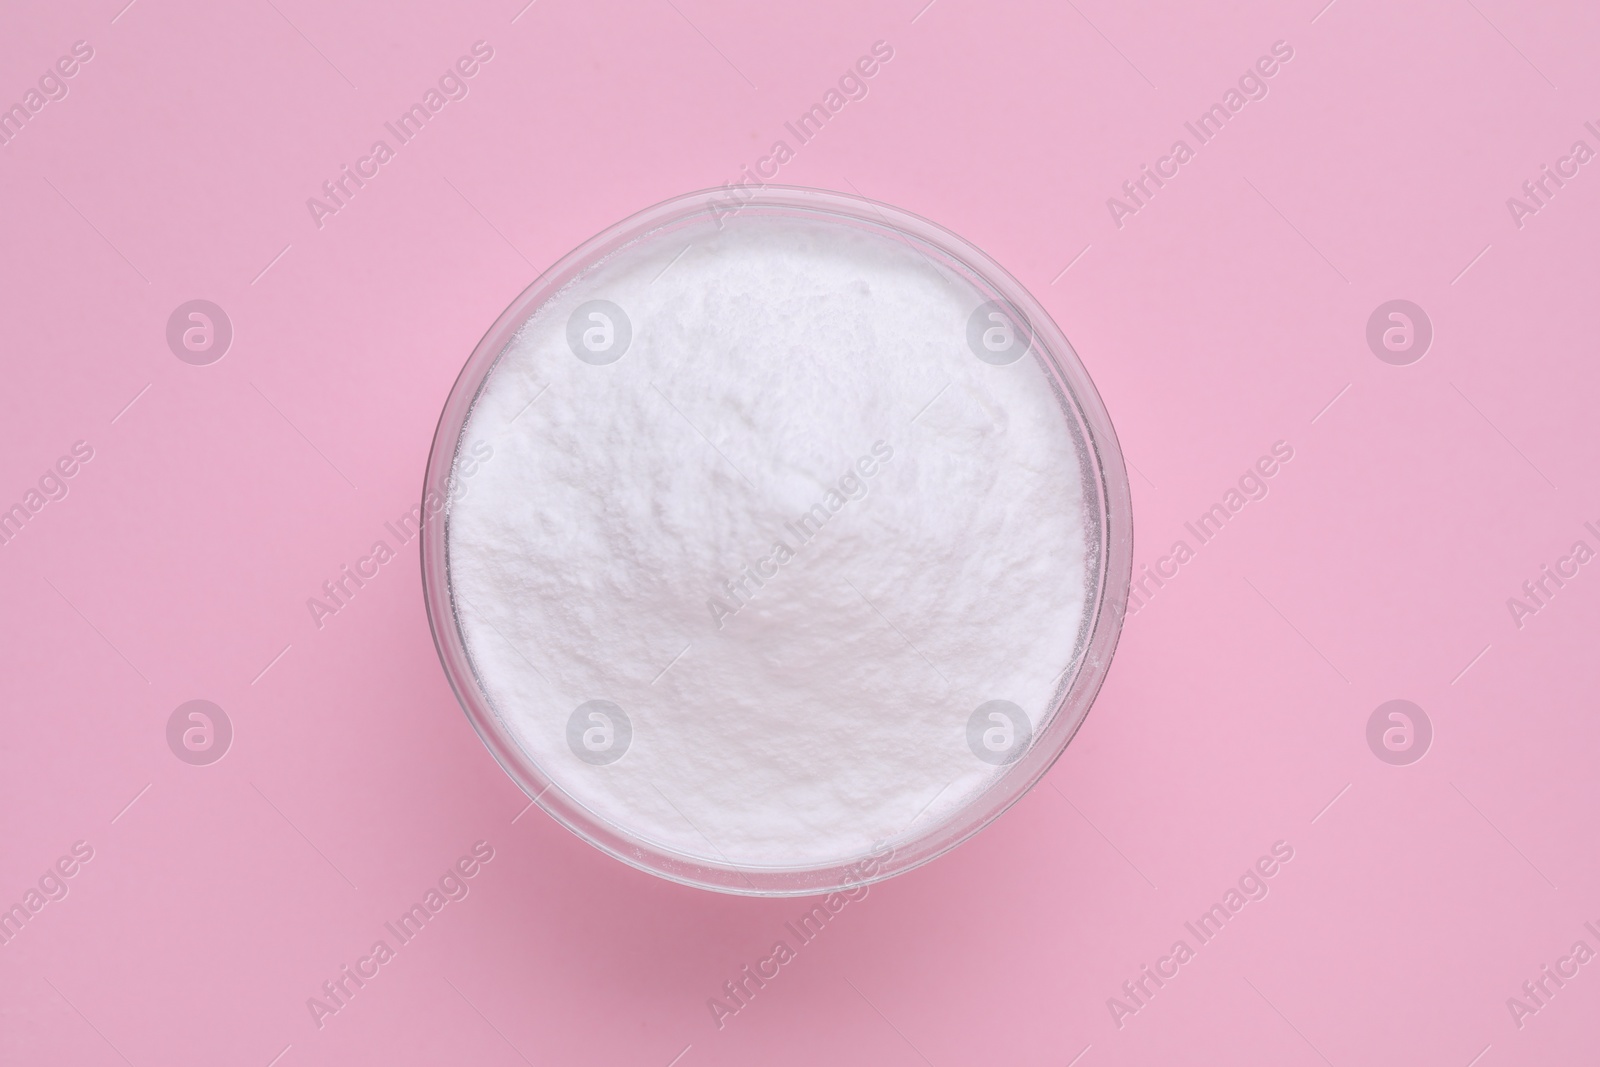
(798, 716)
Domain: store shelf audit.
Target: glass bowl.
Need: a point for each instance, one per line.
(1108, 528)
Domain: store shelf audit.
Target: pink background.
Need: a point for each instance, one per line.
(1222, 317)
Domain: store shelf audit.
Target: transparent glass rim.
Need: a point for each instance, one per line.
(1106, 493)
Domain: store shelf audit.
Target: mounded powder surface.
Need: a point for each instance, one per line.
(742, 591)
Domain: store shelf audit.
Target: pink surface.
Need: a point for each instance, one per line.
(1227, 313)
